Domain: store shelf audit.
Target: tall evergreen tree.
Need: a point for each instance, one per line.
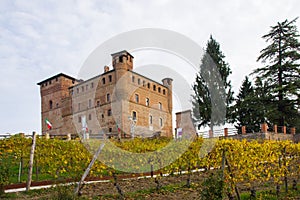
(281, 72)
(213, 91)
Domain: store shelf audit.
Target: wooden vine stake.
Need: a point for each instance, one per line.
(79, 186)
(29, 179)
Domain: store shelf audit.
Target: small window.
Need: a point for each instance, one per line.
(92, 85)
(159, 106)
(144, 83)
(46, 84)
(133, 115)
(90, 116)
(109, 112)
(90, 103)
(103, 81)
(121, 59)
(108, 97)
(56, 79)
(73, 81)
(150, 119)
(50, 104)
(50, 82)
(110, 130)
(110, 78)
(56, 105)
(154, 87)
(132, 79)
(164, 91)
(79, 119)
(159, 90)
(78, 106)
(147, 101)
(139, 81)
(136, 98)
(98, 103)
(148, 85)
(160, 122)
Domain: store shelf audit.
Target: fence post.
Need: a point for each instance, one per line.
(275, 128)
(284, 129)
(226, 132)
(29, 179)
(69, 136)
(211, 134)
(264, 127)
(293, 130)
(243, 130)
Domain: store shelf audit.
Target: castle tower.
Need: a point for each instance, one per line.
(53, 91)
(168, 83)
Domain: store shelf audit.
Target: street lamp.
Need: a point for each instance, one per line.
(132, 125)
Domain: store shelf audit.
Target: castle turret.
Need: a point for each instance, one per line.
(168, 83)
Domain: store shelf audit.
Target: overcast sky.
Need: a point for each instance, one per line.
(39, 39)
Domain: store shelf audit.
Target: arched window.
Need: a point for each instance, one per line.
(108, 97)
(132, 79)
(154, 87)
(150, 120)
(160, 122)
(159, 89)
(50, 104)
(147, 101)
(159, 106)
(103, 81)
(134, 116)
(137, 98)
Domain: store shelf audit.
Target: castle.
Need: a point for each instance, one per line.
(113, 102)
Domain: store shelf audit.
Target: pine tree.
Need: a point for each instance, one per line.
(213, 91)
(281, 73)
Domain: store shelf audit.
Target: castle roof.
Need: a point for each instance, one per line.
(58, 75)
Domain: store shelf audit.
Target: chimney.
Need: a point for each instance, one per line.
(106, 69)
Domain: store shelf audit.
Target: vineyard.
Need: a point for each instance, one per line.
(241, 164)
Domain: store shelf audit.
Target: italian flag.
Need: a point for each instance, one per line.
(49, 125)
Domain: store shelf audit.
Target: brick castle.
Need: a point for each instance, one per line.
(109, 102)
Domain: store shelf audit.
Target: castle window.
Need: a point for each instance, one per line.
(50, 104)
(121, 59)
(164, 91)
(110, 78)
(90, 116)
(147, 101)
(98, 103)
(108, 97)
(78, 106)
(103, 81)
(79, 119)
(159, 106)
(160, 122)
(154, 87)
(134, 116)
(56, 105)
(109, 112)
(139, 81)
(136, 98)
(92, 85)
(148, 85)
(144, 83)
(56, 79)
(159, 89)
(110, 130)
(90, 103)
(150, 120)
(50, 82)
(132, 79)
